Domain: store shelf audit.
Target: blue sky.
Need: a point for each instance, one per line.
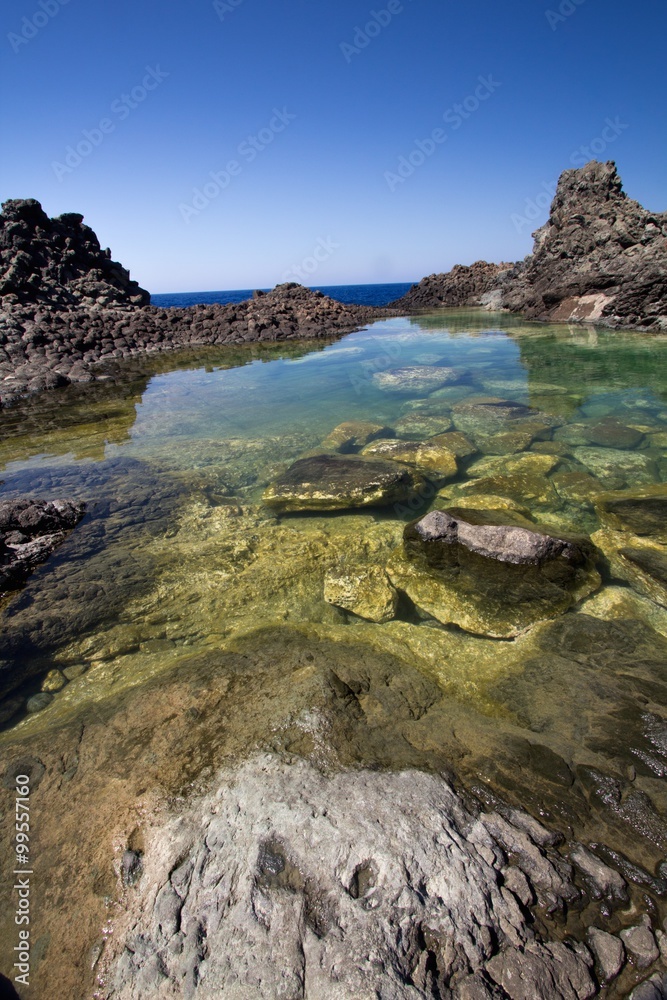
(304, 110)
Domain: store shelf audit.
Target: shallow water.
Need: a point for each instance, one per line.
(177, 555)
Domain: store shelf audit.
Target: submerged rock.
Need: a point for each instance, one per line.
(491, 572)
(626, 467)
(365, 590)
(352, 435)
(638, 561)
(432, 457)
(641, 511)
(415, 378)
(417, 426)
(333, 482)
(611, 433)
(30, 530)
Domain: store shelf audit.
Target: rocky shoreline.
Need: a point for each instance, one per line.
(67, 308)
(600, 258)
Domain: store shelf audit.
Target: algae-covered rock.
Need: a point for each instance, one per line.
(614, 603)
(435, 459)
(489, 415)
(526, 488)
(338, 482)
(352, 435)
(417, 426)
(365, 590)
(614, 466)
(416, 378)
(528, 462)
(483, 502)
(576, 486)
(611, 433)
(639, 561)
(642, 511)
(507, 443)
(458, 444)
(491, 572)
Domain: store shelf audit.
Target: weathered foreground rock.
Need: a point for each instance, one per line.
(337, 482)
(30, 530)
(601, 257)
(284, 882)
(491, 572)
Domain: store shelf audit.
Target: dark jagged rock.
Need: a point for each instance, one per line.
(601, 257)
(58, 261)
(462, 286)
(66, 308)
(29, 532)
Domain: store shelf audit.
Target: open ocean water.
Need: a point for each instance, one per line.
(362, 295)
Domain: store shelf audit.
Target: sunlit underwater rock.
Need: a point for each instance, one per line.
(330, 482)
(365, 590)
(416, 379)
(491, 572)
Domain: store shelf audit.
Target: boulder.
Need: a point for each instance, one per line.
(611, 433)
(433, 457)
(417, 426)
(613, 466)
(339, 482)
(638, 561)
(491, 572)
(352, 435)
(608, 951)
(641, 511)
(364, 590)
(29, 532)
(415, 379)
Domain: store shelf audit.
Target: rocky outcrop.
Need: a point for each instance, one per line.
(66, 308)
(465, 285)
(340, 482)
(601, 257)
(30, 530)
(58, 261)
(491, 572)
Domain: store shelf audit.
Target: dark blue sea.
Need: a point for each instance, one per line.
(362, 295)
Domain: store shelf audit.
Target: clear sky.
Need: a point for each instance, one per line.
(304, 110)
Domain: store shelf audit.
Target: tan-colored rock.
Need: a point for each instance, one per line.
(639, 561)
(364, 590)
(55, 680)
(417, 426)
(642, 511)
(577, 486)
(525, 487)
(506, 465)
(431, 457)
(457, 443)
(612, 603)
(352, 435)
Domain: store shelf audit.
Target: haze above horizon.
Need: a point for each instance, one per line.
(240, 143)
